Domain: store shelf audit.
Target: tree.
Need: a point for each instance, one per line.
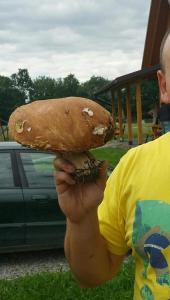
(10, 98)
(93, 85)
(60, 88)
(70, 85)
(49, 88)
(23, 82)
(90, 87)
(150, 96)
(44, 88)
(5, 82)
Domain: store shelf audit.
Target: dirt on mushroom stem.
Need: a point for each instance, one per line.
(86, 166)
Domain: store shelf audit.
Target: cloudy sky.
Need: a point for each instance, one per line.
(83, 37)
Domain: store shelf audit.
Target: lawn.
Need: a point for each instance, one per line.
(112, 155)
(62, 286)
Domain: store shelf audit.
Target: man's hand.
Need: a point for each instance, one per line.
(78, 199)
(85, 248)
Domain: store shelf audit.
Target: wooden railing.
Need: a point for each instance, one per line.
(119, 89)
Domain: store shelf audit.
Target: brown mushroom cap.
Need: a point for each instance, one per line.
(68, 124)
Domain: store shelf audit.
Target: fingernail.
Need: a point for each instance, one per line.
(70, 168)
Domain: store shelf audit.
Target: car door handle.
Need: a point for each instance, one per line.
(42, 199)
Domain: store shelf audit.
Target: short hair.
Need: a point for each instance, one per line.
(162, 62)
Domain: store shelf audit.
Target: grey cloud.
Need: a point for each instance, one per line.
(42, 29)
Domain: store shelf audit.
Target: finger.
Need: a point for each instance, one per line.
(63, 164)
(101, 180)
(63, 178)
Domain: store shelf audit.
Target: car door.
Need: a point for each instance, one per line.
(45, 223)
(12, 230)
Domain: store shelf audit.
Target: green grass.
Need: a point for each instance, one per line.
(62, 286)
(146, 131)
(112, 155)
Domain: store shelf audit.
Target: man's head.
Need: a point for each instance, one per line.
(165, 51)
(164, 73)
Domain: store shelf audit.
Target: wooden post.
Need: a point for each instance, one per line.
(139, 111)
(129, 116)
(120, 116)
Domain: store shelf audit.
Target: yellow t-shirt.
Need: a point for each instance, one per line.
(135, 214)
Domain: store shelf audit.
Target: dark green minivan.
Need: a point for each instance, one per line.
(30, 217)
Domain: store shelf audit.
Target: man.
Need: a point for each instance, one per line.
(164, 112)
(134, 213)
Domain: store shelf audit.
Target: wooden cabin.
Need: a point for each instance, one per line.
(158, 23)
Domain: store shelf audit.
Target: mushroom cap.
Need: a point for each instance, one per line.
(67, 124)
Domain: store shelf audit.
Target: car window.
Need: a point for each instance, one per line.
(38, 169)
(6, 174)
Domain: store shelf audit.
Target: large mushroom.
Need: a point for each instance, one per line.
(67, 126)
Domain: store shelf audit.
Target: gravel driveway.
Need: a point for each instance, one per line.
(13, 265)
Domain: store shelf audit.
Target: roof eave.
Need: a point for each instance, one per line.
(130, 78)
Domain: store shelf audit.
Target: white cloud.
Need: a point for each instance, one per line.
(55, 38)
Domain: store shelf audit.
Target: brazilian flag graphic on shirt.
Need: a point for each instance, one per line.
(151, 240)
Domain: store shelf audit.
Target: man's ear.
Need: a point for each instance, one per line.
(162, 87)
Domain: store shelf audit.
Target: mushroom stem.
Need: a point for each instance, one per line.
(87, 167)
